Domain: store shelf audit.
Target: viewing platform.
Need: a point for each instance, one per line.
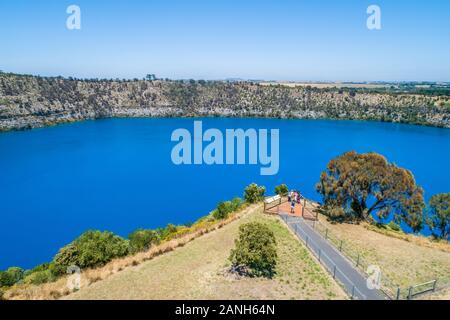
(281, 206)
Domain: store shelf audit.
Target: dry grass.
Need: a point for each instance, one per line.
(405, 259)
(323, 85)
(422, 241)
(197, 271)
(59, 288)
(440, 295)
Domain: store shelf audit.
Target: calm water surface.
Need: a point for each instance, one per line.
(117, 174)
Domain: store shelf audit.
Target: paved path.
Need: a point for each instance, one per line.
(342, 269)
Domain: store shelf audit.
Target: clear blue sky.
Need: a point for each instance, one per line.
(216, 39)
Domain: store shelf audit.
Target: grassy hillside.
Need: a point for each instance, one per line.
(197, 271)
(195, 266)
(405, 260)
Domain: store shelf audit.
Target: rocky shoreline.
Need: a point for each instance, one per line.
(31, 102)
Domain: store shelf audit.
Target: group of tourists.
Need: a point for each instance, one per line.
(294, 198)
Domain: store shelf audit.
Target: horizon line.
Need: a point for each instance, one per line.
(230, 79)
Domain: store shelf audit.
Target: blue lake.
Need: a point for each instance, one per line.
(117, 174)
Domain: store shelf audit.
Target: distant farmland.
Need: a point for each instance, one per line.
(324, 85)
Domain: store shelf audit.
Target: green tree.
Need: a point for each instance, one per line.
(354, 186)
(223, 210)
(281, 190)
(439, 215)
(142, 240)
(254, 193)
(11, 276)
(39, 277)
(91, 249)
(255, 249)
(167, 232)
(236, 204)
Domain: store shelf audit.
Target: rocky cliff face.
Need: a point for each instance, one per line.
(29, 101)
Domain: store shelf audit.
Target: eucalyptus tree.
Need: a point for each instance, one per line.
(356, 186)
(439, 215)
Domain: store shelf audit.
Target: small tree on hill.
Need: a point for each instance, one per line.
(92, 249)
(254, 193)
(354, 186)
(11, 276)
(236, 204)
(142, 240)
(223, 210)
(439, 215)
(255, 250)
(281, 190)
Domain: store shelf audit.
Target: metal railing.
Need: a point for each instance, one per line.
(388, 287)
(329, 264)
(393, 290)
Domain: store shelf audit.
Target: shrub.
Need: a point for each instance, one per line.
(16, 273)
(167, 232)
(222, 210)
(56, 270)
(11, 276)
(254, 193)
(394, 226)
(142, 240)
(42, 273)
(281, 190)
(255, 249)
(39, 277)
(91, 249)
(236, 203)
(67, 256)
(225, 208)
